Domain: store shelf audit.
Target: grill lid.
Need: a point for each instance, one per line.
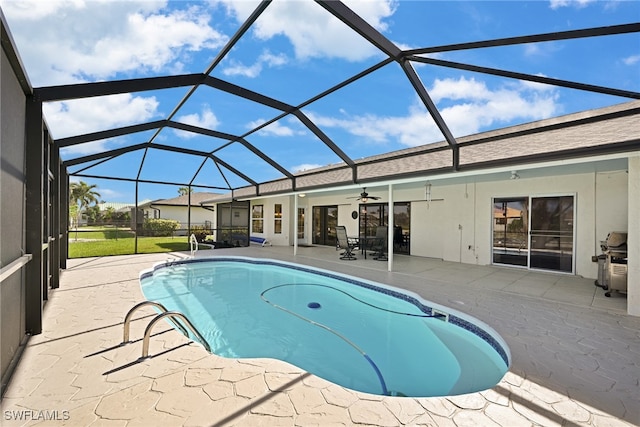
(617, 240)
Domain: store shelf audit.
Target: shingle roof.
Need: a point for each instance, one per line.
(616, 128)
(196, 198)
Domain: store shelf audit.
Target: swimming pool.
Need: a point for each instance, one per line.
(359, 334)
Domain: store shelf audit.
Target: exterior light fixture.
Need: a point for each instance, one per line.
(514, 175)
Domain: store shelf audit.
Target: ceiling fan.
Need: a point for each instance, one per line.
(364, 197)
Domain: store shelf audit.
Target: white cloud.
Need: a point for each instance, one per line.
(77, 41)
(237, 69)
(77, 117)
(312, 31)
(88, 148)
(267, 58)
(273, 60)
(274, 129)
(556, 4)
(305, 167)
(532, 49)
(541, 87)
(471, 108)
(546, 49)
(631, 60)
(108, 194)
(459, 89)
(206, 119)
(34, 10)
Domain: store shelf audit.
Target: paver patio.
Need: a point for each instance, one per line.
(575, 356)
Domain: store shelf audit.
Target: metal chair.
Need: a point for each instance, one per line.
(345, 243)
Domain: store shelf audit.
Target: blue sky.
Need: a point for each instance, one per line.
(297, 50)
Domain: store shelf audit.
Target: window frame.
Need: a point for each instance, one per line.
(277, 218)
(257, 219)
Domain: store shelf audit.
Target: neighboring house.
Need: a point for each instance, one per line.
(120, 207)
(178, 209)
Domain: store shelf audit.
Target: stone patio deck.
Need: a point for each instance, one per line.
(575, 356)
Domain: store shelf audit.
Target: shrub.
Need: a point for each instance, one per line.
(201, 232)
(160, 227)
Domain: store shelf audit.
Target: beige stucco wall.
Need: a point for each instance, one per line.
(456, 224)
(458, 228)
(280, 239)
(179, 213)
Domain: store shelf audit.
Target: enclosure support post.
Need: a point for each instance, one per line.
(135, 221)
(34, 216)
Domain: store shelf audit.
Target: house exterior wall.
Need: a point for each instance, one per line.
(180, 213)
(589, 189)
(457, 224)
(285, 238)
(458, 228)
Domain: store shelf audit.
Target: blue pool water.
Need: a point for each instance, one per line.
(359, 334)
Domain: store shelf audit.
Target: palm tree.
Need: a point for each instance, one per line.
(183, 191)
(82, 194)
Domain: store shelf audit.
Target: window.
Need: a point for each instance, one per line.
(277, 222)
(257, 219)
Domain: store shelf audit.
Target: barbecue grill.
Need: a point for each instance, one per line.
(612, 264)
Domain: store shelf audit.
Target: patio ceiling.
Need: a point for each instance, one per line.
(228, 159)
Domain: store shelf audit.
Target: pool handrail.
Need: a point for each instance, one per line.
(170, 315)
(193, 245)
(127, 319)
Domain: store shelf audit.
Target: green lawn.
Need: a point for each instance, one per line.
(122, 242)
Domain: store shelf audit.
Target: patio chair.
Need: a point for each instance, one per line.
(379, 245)
(345, 243)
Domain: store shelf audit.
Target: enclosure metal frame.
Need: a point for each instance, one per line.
(47, 243)
(393, 54)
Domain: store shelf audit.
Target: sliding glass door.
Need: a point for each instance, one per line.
(325, 220)
(373, 215)
(511, 231)
(534, 232)
(552, 233)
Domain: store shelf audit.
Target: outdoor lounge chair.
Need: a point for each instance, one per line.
(379, 245)
(345, 243)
